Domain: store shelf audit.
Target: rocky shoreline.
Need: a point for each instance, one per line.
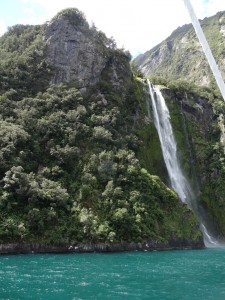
(32, 248)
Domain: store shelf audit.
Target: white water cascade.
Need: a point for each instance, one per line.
(206, 48)
(169, 149)
(178, 180)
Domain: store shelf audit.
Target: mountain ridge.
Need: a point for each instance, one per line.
(180, 56)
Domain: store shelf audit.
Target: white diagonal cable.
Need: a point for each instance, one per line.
(206, 48)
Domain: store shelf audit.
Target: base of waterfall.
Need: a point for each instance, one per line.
(31, 248)
(210, 241)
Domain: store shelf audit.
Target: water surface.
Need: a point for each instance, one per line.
(191, 274)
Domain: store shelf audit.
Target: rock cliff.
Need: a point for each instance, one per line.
(180, 56)
(199, 129)
(76, 51)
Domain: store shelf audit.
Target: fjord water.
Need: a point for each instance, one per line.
(187, 274)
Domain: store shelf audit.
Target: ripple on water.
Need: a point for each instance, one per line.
(171, 275)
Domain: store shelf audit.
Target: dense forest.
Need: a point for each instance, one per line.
(76, 163)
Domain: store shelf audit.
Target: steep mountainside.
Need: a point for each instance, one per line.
(180, 56)
(77, 55)
(197, 117)
(198, 121)
(72, 126)
(80, 158)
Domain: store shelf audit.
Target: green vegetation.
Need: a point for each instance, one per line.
(75, 16)
(24, 70)
(69, 176)
(76, 167)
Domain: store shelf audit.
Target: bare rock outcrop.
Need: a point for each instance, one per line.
(75, 50)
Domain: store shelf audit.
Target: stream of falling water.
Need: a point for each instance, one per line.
(179, 183)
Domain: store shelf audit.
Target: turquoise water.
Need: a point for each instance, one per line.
(197, 274)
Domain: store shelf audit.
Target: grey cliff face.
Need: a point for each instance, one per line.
(74, 51)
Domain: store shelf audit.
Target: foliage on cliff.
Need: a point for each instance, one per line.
(70, 165)
(68, 174)
(23, 65)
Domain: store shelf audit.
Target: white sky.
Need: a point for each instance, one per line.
(135, 25)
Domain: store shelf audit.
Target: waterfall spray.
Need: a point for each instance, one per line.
(206, 48)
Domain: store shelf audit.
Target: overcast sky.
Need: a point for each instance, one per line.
(135, 25)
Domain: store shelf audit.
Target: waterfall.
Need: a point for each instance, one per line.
(168, 144)
(178, 181)
(209, 241)
(206, 48)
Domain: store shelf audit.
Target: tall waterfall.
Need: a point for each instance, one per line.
(178, 181)
(169, 149)
(206, 48)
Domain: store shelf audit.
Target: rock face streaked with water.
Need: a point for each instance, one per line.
(178, 180)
